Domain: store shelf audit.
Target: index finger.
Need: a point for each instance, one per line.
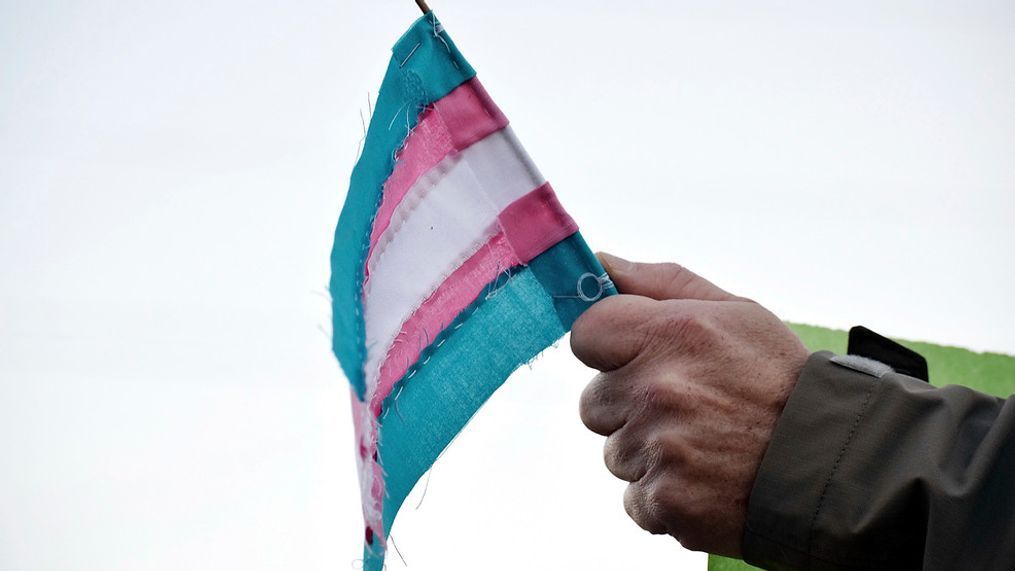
(611, 333)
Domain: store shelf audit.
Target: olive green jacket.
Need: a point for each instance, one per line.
(872, 469)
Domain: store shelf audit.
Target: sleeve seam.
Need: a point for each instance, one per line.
(838, 460)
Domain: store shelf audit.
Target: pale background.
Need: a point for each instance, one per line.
(170, 174)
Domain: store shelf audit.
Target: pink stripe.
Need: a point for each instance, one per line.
(529, 226)
(451, 124)
(366, 440)
(456, 293)
(535, 222)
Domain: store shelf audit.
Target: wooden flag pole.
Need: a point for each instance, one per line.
(422, 6)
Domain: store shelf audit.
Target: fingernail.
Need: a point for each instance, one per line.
(614, 264)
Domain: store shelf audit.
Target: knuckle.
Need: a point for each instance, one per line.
(673, 504)
(678, 323)
(598, 404)
(589, 415)
(622, 458)
(632, 503)
(655, 492)
(653, 453)
(592, 397)
(655, 391)
(684, 330)
(639, 509)
(660, 395)
(588, 397)
(673, 450)
(613, 456)
(668, 496)
(668, 504)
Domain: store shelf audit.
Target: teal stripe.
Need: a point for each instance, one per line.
(497, 334)
(425, 66)
(508, 329)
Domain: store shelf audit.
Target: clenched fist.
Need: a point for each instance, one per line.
(693, 380)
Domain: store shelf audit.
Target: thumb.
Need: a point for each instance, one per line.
(661, 281)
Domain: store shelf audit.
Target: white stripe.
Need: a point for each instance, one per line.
(447, 215)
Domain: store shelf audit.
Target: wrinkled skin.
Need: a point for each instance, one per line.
(693, 381)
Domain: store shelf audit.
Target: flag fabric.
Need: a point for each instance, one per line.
(453, 264)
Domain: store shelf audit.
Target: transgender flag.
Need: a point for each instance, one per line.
(453, 264)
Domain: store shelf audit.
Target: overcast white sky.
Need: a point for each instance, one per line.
(170, 174)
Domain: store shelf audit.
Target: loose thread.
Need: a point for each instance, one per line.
(437, 34)
(406, 60)
(397, 113)
(391, 538)
(359, 146)
(426, 486)
(326, 333)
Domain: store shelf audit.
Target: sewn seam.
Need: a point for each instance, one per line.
(438, 342)
(472, 250)
(838, 459)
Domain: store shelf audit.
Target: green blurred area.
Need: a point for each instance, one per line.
(988, 372)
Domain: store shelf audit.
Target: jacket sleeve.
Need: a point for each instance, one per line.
(869, 469)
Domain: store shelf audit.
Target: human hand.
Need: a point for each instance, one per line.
(693, 381)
